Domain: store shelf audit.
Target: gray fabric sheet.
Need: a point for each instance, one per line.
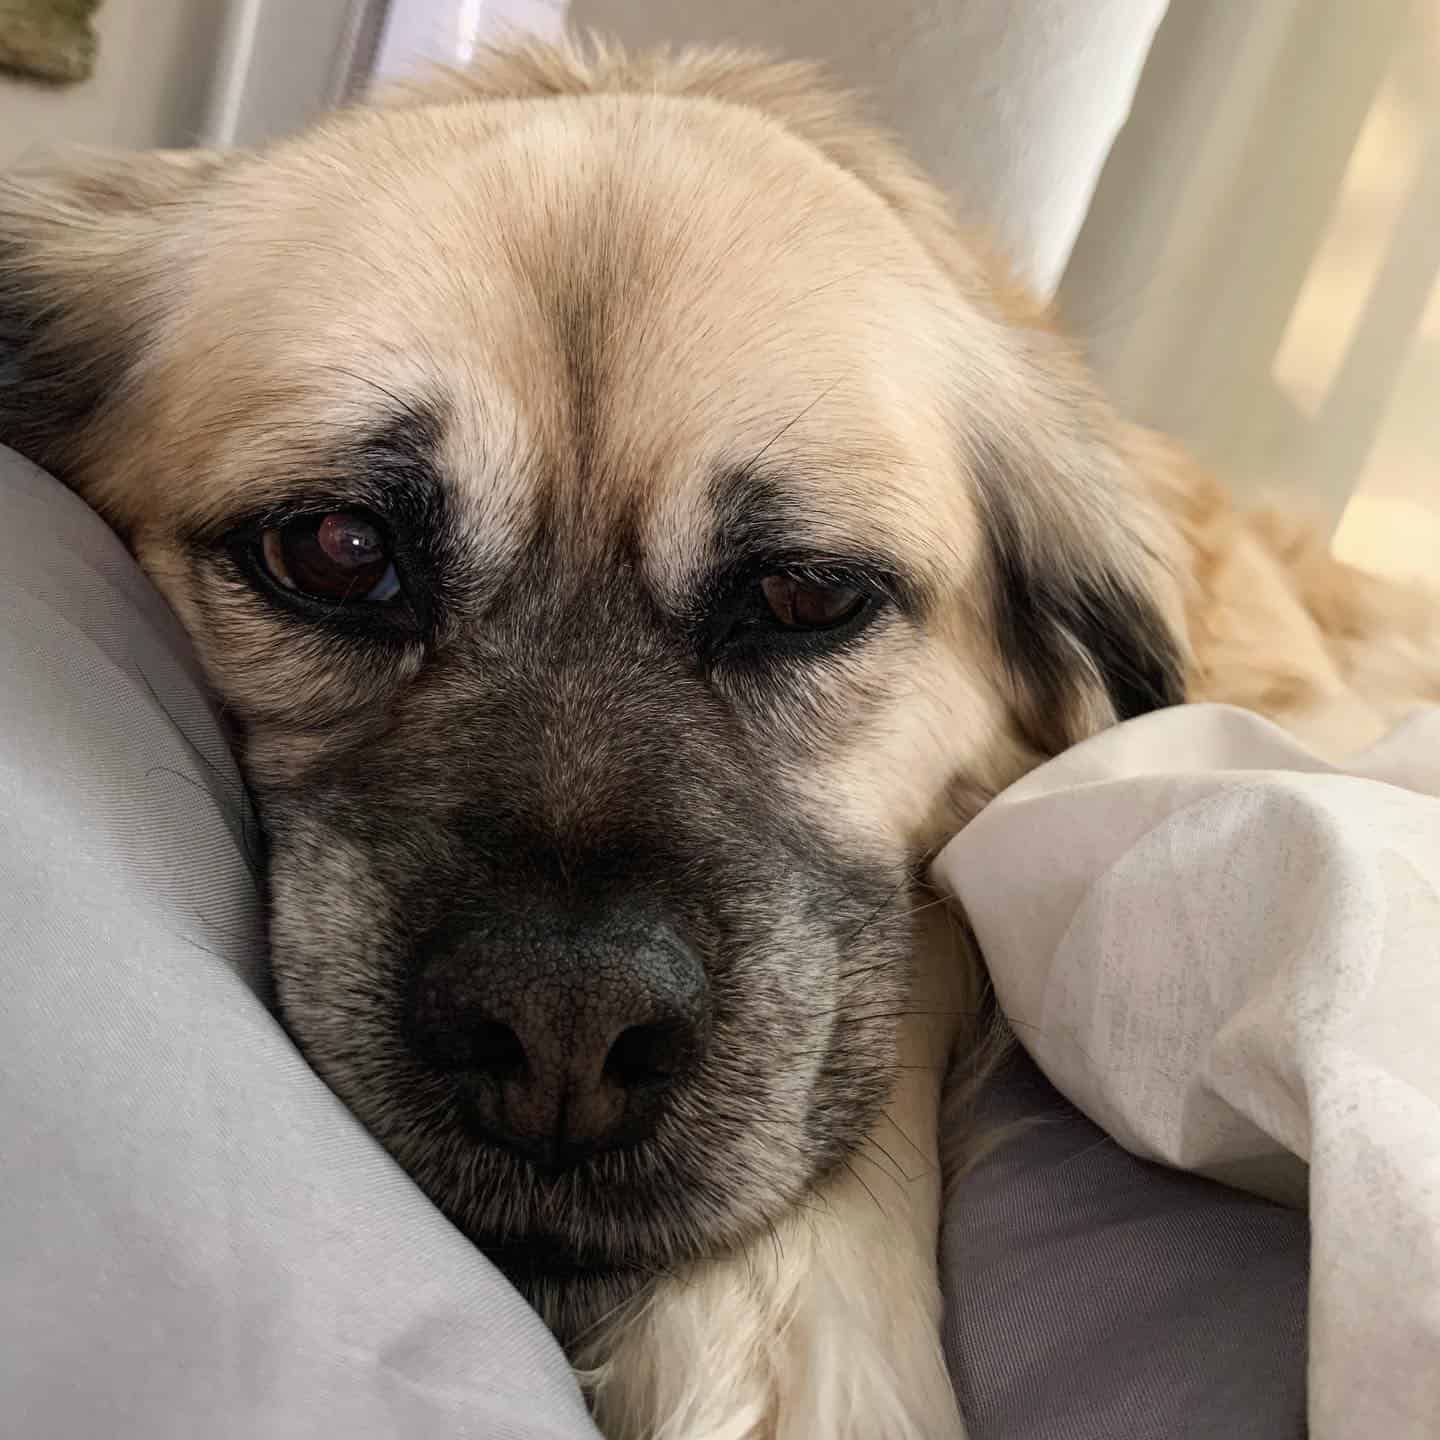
(1091, 1295)
(196, 1238)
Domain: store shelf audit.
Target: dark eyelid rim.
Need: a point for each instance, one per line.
(387, 476)
(236, 541)
(406, 618)
(732, 622)
(756, 536)
(866, 573)
(252, 526)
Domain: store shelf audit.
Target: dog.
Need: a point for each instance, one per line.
(628, 525)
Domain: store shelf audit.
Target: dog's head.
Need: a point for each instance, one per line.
(626, 526)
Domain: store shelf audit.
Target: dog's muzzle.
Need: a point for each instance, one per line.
(565, 1034)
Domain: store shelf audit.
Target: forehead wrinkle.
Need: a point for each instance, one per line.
(675, 382)
(647, 239)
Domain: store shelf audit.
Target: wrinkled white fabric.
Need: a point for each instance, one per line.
(1227, 953)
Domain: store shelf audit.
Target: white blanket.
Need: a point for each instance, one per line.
(1227, 953)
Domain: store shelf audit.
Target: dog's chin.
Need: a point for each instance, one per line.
(570, 1291)
(580, 1243)
(576, 1272)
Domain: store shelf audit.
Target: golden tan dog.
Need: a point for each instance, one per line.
(628, 526)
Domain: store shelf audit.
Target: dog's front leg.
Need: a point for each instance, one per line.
(829, 1328)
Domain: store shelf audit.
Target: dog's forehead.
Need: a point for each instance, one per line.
(612, 301)
(686, 307)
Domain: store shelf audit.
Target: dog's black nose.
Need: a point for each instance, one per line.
(567, 1036)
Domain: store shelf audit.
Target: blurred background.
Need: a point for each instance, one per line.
(1235, 203)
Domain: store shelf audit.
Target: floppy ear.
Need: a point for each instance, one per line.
(1085, 610)
(90, 255)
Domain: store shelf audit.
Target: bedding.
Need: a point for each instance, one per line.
(1092, 1294)
(1226, 953)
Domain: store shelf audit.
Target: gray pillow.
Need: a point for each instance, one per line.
(1091, 1295)
(196, 1237)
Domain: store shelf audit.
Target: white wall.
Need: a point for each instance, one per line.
(150, 85)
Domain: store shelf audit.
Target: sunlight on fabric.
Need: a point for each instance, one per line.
(469, 20)
(1390, 536)
(1391, 524)
(1377, 183)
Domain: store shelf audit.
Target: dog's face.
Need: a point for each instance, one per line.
(624, 540)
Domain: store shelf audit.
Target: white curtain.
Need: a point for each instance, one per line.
(417, 30)
(1258, 271)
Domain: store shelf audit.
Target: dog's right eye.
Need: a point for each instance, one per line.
(800, 606)
(342, 558)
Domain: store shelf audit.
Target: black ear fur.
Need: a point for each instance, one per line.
(1085, 642)
(48, 388)
(77, 258)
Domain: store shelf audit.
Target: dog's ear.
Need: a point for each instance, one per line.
(91, 255)
(1081, 598)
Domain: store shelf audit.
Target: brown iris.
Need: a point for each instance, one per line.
(341, 557)
(804, 605)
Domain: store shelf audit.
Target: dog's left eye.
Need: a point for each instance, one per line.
(342, 557)
(800, 605)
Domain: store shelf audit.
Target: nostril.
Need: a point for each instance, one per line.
(484, 1045)
(649, 1054)
(496, 1048)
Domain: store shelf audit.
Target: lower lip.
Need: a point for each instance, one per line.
(552, 1260)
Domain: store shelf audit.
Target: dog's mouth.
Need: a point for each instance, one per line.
(552, 1161)
(553, 1259)
(572, 1287)
(605, 1219)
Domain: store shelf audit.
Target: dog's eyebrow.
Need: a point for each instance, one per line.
(759, 527)
(391, 469)
(397, 463)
